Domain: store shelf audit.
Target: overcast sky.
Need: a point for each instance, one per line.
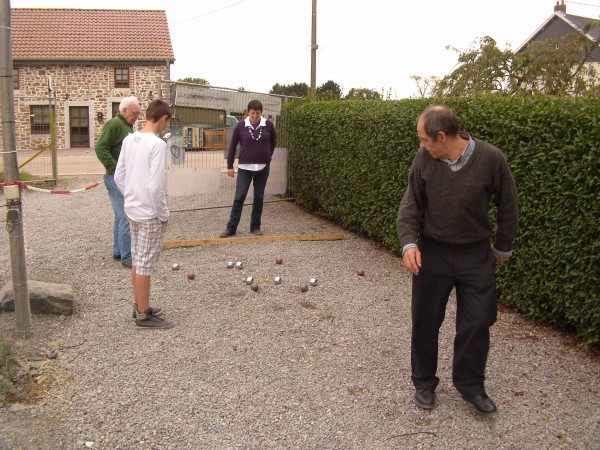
(375, 44)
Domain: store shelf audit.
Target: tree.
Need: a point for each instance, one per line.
(363, 94)
(194, 81)
(554, 67)
(426, 85)
(293, 90)
(329, 90)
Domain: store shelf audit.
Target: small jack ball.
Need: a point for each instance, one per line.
(191, 275)
(254, 286)
(360, 272)
(278, 260)
(303, 287)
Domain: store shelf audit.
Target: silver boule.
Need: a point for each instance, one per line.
(249, 280)
(277, 280)
(239, 265)
(175, 266)
(230, 264)
(312, 281)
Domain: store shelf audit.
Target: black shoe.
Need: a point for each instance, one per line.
(117, 257)
(256, 232)
(155, 311)
(227, 233)
(127, 263)
(484, 406)
(149, 320)
(425, 398)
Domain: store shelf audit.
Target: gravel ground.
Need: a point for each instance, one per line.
(277, 368)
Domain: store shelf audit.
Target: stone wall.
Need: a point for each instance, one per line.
(90, 85)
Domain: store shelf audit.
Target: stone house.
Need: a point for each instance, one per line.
(81, 62)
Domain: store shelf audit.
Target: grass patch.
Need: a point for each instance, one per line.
(7, 369)
(23, 176)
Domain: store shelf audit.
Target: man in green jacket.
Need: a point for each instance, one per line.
(445, 234)
(108, 149)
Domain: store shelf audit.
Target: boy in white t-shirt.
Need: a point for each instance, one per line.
(140, 177)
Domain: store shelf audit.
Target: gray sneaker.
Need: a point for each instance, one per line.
(152, 311)
(149, 320)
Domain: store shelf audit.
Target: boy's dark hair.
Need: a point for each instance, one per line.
(156, 109)
(438, 118)
(255, 105)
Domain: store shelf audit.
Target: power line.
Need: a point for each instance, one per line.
(583, 4)
(209, 13)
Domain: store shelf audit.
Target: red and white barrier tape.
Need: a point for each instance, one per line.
(51, 191)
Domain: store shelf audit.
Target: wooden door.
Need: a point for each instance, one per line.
(79, 124)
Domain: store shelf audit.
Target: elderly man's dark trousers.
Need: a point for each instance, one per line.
(470, 269)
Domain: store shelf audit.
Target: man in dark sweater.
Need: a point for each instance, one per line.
(257, 138)
(445, 234)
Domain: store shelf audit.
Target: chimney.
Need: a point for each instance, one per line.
(560, 7)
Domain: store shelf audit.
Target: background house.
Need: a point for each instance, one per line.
(560, 24)
(82, 62)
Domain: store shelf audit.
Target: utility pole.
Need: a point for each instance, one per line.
(12, 193)
(313, 52)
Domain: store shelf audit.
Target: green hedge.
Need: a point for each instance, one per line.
(349, 161)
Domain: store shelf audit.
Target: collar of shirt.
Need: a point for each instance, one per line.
(462, 159)
(247, 123)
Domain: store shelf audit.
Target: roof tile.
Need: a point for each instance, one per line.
(90, 35)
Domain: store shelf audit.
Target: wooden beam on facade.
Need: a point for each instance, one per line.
(250, 240)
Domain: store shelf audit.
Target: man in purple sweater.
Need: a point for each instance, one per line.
(445, 235)
(257, 139)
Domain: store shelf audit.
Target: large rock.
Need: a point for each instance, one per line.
(44, 298)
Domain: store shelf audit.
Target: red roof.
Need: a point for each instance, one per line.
(90, 35)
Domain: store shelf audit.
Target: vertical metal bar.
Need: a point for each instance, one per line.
(53, 138)
(14, 223)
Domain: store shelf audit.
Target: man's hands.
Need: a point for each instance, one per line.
(412, 260)
(230, 173)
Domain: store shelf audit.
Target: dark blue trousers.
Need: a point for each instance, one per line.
(471, 270)
(244, 178)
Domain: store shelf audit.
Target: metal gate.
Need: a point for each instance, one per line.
(200, 133)
(35, 137)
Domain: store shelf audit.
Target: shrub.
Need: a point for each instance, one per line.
(349, 161)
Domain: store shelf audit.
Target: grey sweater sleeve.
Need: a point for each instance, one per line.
(412, 206)
(505, 198)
